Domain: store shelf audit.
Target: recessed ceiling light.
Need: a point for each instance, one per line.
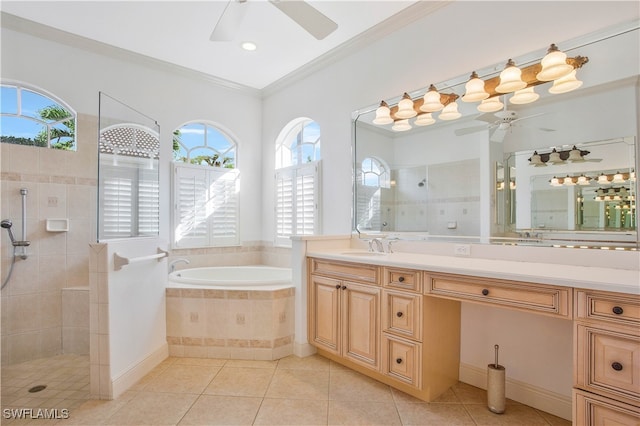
(249, 45)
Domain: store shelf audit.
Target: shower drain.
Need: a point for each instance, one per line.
(37, 388)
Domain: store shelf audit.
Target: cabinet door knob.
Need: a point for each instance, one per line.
(617, 310)
(399, 314)
(399, 361)
(485, 291)
(344, 287)
(401, 279)
(616, 366)
(337, 286)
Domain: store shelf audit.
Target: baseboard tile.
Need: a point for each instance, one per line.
(536, 397)
(130, 377)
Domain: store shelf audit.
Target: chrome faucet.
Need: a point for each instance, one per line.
(379, 247)
(173, 263)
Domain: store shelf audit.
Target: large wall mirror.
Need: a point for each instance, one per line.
(128, 173)
(560, 171)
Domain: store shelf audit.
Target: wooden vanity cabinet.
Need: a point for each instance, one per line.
(345, 314)
(376, 320)
(607, 358)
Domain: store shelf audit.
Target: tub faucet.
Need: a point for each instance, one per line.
(173, 263)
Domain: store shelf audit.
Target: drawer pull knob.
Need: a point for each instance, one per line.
(337, 286)
(617, 310)
(399, 314)
(485, 291)
(401, 279)
(616, 366)
(399, 361)
(344, 287)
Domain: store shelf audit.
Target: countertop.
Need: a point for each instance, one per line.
(587, 277)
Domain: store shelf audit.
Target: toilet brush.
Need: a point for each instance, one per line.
(495, 386)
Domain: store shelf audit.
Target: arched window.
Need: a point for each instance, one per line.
(206, 187)
(29, 116)
(297, 185)
(374, 175)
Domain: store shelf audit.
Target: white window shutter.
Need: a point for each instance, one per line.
(117, 211)
(206, 201)
(148, 202)
(297, 200)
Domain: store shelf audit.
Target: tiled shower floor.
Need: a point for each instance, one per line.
(292, 391)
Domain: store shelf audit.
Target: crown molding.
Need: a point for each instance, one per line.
(25, 26)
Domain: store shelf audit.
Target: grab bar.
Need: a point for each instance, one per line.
(120, 261)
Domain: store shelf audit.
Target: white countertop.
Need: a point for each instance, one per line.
(588, 277)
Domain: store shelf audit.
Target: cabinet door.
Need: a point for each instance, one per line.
(361, 323)
(324, 315)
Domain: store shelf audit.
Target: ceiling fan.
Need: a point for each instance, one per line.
(505, 120)
(309, 18)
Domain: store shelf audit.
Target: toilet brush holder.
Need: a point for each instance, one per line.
(496, 386)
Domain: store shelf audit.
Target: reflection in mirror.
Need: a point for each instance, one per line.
(128, 175)
(486, 176)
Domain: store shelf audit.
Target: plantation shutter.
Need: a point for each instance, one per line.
(117, 205)
(206, 206)
(130, 199)
(297, 195)
(148, 202)
(223, 187)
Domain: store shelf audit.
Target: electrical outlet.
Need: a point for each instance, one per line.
(462, 249)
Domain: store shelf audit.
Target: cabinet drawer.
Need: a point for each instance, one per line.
(404, 279)
(608, 362)
(612, 307)
(402, 314)
(593, 410)
(402, 359)
(345, 270)
(544, 299)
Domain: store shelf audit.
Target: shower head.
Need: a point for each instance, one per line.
(7, 224)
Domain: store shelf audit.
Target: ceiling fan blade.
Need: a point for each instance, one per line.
(498, 135)
(229, 21)
(309, 18)
(488, 117)
(467, 130)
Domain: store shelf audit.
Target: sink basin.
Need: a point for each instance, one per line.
(363, 253)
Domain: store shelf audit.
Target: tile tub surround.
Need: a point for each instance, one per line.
(230, 324)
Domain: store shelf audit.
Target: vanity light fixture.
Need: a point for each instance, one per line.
(425, 119)
(401, 126)
(556, 181)
(405, 108)
(618, 178)
(450, 112)
(474, 89)
(603, 179)
(491, 105)
(524, 96)
(558, 157)
(510, 78)
(583, 180)
(565, 84)
(488, 91)
(432, 100)
(383, 114)
(554, 65)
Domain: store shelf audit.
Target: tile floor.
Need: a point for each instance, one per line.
(291, 391)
